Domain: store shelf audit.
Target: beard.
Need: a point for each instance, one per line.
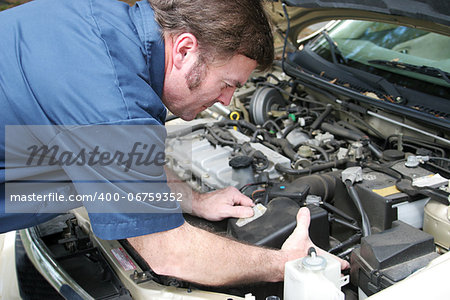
(196, 74)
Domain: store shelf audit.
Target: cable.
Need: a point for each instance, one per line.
(416, 142)
(366, 230)
(351, 127)
(386, 169)
(274, 77)
(289, 130)
(347, 224)
(441, 169)
(351, 240)
(440, 158)
(338, 212)
(345, 252)
(186, 131)
(256, 133)
(221, 140)
(244, 187)
(286, 34)
(257, 191)
(238, 123)
(273, 124)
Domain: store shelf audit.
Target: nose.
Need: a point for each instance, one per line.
(225, 96)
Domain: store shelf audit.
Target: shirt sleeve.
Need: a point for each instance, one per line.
(118, 173)
(77, 63)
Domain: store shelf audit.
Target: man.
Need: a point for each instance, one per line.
(90, 63)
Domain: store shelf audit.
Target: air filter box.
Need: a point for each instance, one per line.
(390, 256)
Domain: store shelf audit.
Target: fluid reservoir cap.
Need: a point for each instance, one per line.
(412, 161)
(393, 155)
(313, 262)
(239, 162)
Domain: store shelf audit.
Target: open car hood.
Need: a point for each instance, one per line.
(426, 14)
(425, 10)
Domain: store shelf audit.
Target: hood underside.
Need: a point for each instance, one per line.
(436, 11)
(431, 15)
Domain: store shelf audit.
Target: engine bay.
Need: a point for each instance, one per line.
(353, 123)
(378, 193)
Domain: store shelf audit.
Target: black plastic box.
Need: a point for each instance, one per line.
(390, 256)
(278, 222)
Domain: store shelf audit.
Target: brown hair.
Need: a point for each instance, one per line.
(223, 28)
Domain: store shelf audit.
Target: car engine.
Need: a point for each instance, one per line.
(377, 192)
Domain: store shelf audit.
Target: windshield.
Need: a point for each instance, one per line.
(413, 57)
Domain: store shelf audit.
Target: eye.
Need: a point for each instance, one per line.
(226, 85)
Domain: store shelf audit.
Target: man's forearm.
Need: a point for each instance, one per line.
(195, 255)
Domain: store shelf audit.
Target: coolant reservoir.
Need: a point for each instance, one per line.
(314, 277)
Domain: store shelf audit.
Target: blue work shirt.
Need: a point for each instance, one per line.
(82, 62)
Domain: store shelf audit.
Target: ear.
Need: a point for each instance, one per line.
(185, 50)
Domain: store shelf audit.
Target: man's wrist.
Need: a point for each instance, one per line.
(281, 259)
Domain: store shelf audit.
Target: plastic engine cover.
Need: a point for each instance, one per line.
(278, 222)
(388, 257)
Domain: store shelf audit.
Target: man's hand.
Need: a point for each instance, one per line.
(213, 206)
(221, 204)
(298, 243)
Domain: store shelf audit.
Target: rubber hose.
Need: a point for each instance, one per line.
(286, 147)
(341, 131)
(311, 169)
(365, 223)
(322, 117)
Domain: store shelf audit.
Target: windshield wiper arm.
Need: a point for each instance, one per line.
(426, 70)
(334, 49)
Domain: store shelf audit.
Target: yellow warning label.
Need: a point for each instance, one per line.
(390, 190)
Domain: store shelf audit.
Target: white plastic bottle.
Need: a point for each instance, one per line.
(314, 277)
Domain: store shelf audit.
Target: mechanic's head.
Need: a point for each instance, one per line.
(211, 49)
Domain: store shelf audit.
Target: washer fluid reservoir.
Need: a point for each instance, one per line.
(314, 277)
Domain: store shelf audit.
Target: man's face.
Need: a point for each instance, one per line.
(203, 86)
